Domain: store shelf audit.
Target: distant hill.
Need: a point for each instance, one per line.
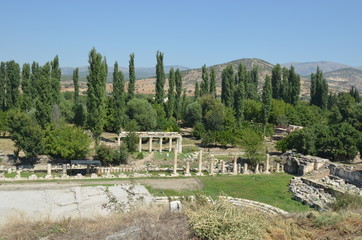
(342, 79)
(306, 68)
(141, 72)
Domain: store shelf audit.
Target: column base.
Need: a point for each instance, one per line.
(199, 174)
(266, 172)
(187, 175)
(175, 175)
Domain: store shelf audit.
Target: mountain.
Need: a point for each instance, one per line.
(306, 68)
(141, 72)
(342, 79)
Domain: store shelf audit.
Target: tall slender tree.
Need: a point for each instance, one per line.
(205, 89)
(294, 86)
(56, 75)
(76, 85)
(213, 82)
(319, 90)
(160, 78)
(13, 83)
(132, 77)
(171, 93)
(118, 98)
(266, 98)
(285, 85)
(3, 86)
(34, 79)
(239, 102)
(197, 91)
(227, 86)
(178, 83)
(96, 93)
(276, 82)
(43, 104)
(355, 94)
(26, 87)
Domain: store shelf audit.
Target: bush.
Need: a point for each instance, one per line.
(140, 155)
(66, 142)
(225, 221)
(112, 156)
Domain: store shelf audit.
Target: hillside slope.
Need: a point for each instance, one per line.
(343, 79)
(306, 68)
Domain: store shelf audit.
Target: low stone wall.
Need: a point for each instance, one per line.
(354, 177)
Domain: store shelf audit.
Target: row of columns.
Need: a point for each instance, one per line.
(178, 144)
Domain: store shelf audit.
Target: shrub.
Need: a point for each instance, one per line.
(109, 155)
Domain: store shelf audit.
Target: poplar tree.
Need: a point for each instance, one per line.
(285, 85)
(118, 98)
(43, 104)
(96, 93)
(160, 78)
(178, 83)
(294, 83)
(171, 93)
(254, 79)
(26, 87)
(355, 94)
(2, 86)
(132, 77)
(227, 86)
(56, 75)
(13, 83)
(266, 98)
(276, 82)
(76, 85)
(34, 79)
(239, 103)
(319, 90)
(197, 91)
(205, 89)
(213, 82)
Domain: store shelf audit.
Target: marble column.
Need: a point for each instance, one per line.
(174, 173)
(170, 144)
(212, 167)
(160, 145)
(281, 168)
(64, 169)
(187, 172)
(200, 164)
(222, 167)
(150, 146)
(239, 168)
(278, 166)
(140, 144)
(245, 169)
(257, 168)
(235, 166)
(180, 145)
(49, 169)
(267, 164)
(119, 141)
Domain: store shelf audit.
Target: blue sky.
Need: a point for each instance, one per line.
(190, 33)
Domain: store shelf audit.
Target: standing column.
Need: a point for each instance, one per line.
(235, 165)
(277, 170)
(140, 144)
(245, 169)
(187, 172)
(180, 145)
(175, 163)
(150, 146)
(212, 167)
(160, 144)
(119, 141)
(64, 169)
(200, 164)
(222, 167)
(267, 164)
(257, 168)
(49, 169)
(170, 144)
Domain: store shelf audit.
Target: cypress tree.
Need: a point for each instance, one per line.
(76, 85)
(96, 93)
(34, 79)
(13, 83)
(294, 83)
(242, 74)
(178, 82)
(276, 82)
(205, 89)
(227, 86)
(43, 104)
(160, 78)
(319, 90)
(213, 83)
(56, 75)
(239, 102)
(197, 91)
(132, 77)
(254, 79)
(2, 86)
(118, 98)
(355, 94)
(266, 98)
(171, 93)
(285, 85)
(26, 87)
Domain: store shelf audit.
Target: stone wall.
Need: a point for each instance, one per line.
(354, 177)
(300, 165)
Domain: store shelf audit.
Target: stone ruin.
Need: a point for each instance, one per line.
(300, 165)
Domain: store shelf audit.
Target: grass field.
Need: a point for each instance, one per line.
(271, 189)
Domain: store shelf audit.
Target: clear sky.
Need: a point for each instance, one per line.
(190, 33)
